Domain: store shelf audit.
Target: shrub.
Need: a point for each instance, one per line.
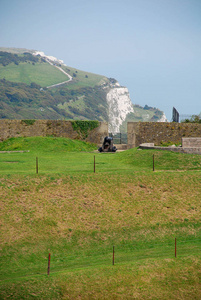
(83, 127)
(29, 122)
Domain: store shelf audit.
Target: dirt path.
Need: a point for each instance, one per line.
(60, 69)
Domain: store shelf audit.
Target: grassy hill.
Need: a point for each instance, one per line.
(24, 79)
(77, 216)
(142, 114)
(37, 69)
(42, 74)
(84, 79)
(23, 93)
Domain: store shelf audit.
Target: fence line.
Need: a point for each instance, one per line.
(117, 254)
(114, 255)
(97, 166)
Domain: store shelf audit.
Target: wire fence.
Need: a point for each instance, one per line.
(127, 254)
(113, 255)
(95, 164)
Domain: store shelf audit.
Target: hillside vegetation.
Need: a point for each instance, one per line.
(24, 79)
(21, 101)
(77, 216)
(23, 93)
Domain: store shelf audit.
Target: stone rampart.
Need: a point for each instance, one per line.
(159, 133)
(191, 142)
(57, 128)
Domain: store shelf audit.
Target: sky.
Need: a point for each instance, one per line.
(152, 47)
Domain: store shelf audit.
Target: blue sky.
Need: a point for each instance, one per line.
(153, 47)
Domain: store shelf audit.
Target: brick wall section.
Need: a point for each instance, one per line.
(191, 142)
(17, 128)
(157, 132)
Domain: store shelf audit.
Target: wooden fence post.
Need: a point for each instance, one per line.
(153, 163)
(175, 247)
(36, 165)
(48, 269)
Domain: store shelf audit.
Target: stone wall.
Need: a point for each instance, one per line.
(17, 128)
(189, 150)
(138, 132)
(191, 142)
(157, 133)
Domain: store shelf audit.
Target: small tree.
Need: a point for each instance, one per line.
(194, 119)
(35, 85)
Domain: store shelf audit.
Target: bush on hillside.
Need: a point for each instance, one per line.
(7, 58)
(193, 119)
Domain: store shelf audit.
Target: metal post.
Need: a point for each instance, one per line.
(48, 269)
(36, 165)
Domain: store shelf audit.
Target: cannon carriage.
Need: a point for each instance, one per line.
(107, 145)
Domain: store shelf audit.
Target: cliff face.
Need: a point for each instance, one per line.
(163, 118)
(119, 106)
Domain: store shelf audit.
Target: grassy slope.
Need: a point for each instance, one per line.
(78, 216)
(81, 80)
(140, 115)
(81, 98)
(46, 75)
(40, 73)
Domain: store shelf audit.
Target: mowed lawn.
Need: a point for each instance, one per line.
(80, 216)
(61, 155)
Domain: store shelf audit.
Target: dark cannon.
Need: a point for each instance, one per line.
(107, 145)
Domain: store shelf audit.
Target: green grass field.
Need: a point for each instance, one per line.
(46, 75)
(40, 73)
(77, 216)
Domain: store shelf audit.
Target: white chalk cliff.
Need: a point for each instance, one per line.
(119, 106)
(163, 118)
(49, 58)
